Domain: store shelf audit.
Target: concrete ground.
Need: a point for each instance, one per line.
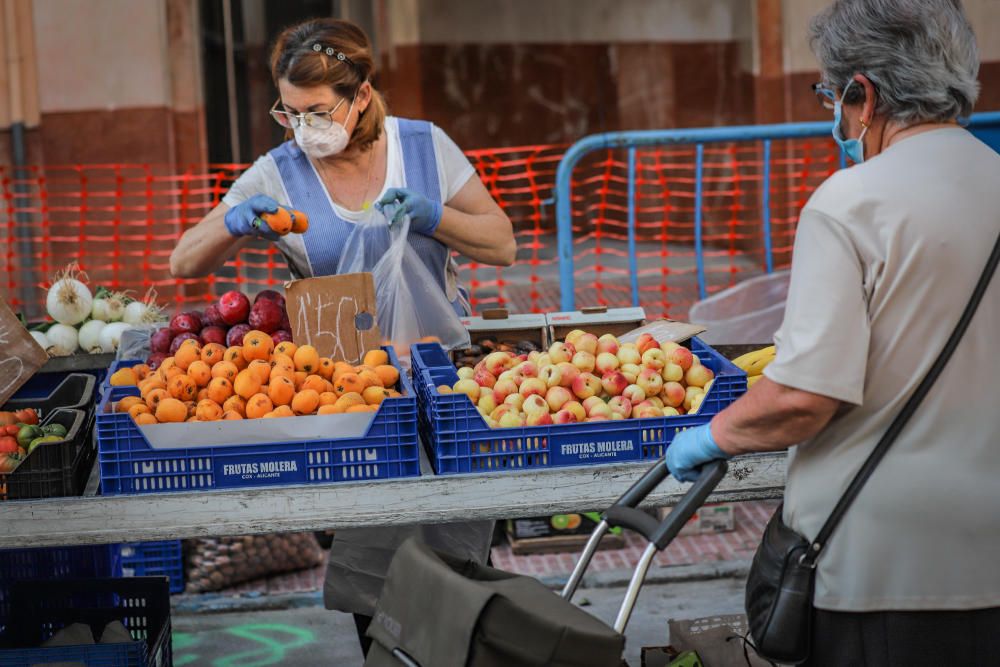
(311, 636)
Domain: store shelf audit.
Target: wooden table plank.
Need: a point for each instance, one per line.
(426, 499)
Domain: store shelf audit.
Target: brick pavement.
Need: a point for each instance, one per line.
(739, 544)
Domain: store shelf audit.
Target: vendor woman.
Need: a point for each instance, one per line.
(347, 155)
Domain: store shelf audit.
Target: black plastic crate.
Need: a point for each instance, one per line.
(57, 468)
(142, 604)
(75, 391)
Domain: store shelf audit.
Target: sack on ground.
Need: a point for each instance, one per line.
(215, 563)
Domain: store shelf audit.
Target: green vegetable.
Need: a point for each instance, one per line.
(54, 429)
(41, 440)
(27, 434)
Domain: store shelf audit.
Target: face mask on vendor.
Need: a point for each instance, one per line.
(322, 142)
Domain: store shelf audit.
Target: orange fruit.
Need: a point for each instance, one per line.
(141, 371)
(138, 409)
(300, 222)
(235, 404)
(328, 409)
(258, 405)
(349, 382)
(315, 383)
(154, 380)
(173, 372)
(225, 369)
(182, 388)
(202, 394)
(192, 408)
(154, 397)
(282, 362)
(393, 393)
(261, 370)
(146, 418)
(247, 384)
(257, 345)
(348, 400)
(208, 411)
(370, 378)
(188, 352)
(212, 353)
(127, 402)
(306, 359)
(281, 390)
(286, 348)
(234, 355)
(300, 377)
(362, 408)
(165, 365)
(280, 221)
(283, 411)
(375, 395)
(123, 377)
(375, 358)
(387, 374)
(231, 415)
(305, 402)
(220, 390)
(200, 372)
(341, 367)
(327, 398)
(326, 368)
(171, 410)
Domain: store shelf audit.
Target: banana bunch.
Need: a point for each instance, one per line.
(754, 363)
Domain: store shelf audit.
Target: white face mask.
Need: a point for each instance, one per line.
(318, 143)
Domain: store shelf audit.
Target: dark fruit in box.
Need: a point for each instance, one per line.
(270, 295)
(286, 325)
(213, 318)
(213, 335)
(154, 360)
(185, 322)
(236, 334)
(266, 316)
(281, 336)
(234, 307)
(160, 340)
(180, 338)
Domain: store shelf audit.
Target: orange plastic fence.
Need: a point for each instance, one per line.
(120, 222)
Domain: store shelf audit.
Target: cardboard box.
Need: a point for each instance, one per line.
(558, 533)
(335, 314)
(497, 328)
(710, 518)
(598, 321)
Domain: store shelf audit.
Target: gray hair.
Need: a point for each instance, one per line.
(920, 55)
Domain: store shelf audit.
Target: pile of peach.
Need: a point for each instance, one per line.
(252, 381)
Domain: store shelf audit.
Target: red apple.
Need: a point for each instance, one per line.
(185, 323)
(281, 336)
(215, 335)
(270, 295)
(234, 307)
(265, 316)
(236, 334)
(212, 317)
(160, 340)
(180, 338)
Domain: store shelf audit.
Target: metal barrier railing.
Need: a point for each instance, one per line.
(985, 125)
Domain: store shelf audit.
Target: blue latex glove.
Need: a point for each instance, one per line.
(244, 218)
(691, 449)
(425, 215)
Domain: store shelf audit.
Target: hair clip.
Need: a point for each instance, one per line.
(330, 51)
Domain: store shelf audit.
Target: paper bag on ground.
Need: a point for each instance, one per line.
(719, 641)
(334, 314)
(20, 355)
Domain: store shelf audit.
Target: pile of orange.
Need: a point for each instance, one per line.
(255, 380)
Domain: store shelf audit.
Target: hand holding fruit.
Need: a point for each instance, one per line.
(691, 449)
(262, 216)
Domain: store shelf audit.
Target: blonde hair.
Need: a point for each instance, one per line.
(294, 58)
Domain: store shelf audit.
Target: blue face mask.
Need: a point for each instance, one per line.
(852, 147)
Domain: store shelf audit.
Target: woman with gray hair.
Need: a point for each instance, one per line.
(887, 254)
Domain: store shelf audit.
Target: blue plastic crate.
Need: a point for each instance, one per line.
(103, 560)
(149, 559)
(460, 440)
(129, 464)
(44, 607)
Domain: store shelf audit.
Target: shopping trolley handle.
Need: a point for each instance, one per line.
(660, 534)
(644, 485)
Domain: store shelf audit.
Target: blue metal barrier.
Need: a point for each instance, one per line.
(986, 126)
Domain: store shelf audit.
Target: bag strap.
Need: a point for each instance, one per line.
(809, 558)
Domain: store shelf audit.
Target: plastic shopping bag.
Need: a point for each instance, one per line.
(409, 303)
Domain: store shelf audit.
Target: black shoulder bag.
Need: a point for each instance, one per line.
(779, 597)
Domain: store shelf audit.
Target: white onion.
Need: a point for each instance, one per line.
(64, 339)
(100, 310)
(42, 340)
(69, 301)
(135, 313)
(90, 336)
(111, 335)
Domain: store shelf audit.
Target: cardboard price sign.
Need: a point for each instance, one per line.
(334, 314)
(20, 355)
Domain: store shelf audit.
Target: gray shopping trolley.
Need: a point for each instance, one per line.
(439, 611)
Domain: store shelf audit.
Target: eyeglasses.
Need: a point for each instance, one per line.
(321, 120)
(825, 94)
